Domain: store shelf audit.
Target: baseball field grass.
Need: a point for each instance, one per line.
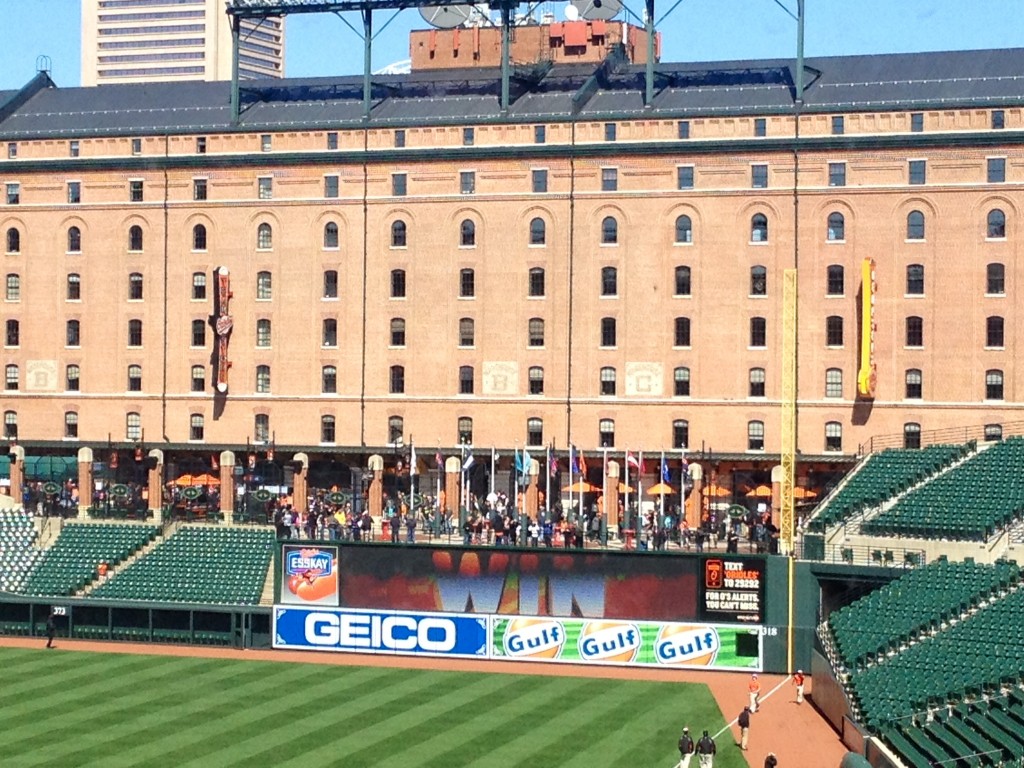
(68, 708)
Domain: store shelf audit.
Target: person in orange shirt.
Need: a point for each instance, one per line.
(798, 681)
(754, 689)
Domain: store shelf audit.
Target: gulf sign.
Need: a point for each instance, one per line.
(309, 575)
(380, 632)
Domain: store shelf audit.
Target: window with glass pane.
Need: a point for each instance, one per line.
(74, 192)
(464, 428)
(759, 176)
(264, 286)
(13, 193)
(837, 174)
(538, 232)
(836, 226)
(536, 377)
(200, 145)
(993, 385)
(838, 125)
(467, 234)
(266, 188)
(534, 432)
(262, 379)
(396, 379)
(199, 238)
(397, 332)
(198, 378)
(682, 332)
(915, 332)
(71, 425)
(835, 282)
(13, 336)
(12, 378)
(135, 191)
(330, 284)
(680, 433)
(399, 138)
(684, 229)
(399, 184)
(609, 179)
(915, 279)
(998, 119)
(540, 134)
(682, 281)
(755, 435)
(993, 432)
(994, 331)
(327, 432)
(996, 224)
(607, 381)
(135, 286)
(72, 378)
(330, 235)
(13, 291)
(261, 428)
(610, 132)
(759, 228)
(609, 281)
(834, 382)
(329, 380)
(468, 136)
(467, 283)
(833, 436)
(14, 240)
(398, 283)
(263, 328)
(465, 380)
(606, 433)
(760, 126)
(536, 332)
(758, 332)
(608, 332)
(995, 279)
(74, 287)
(134, 333)
(684, 177)
(467, 332)
(757, 380)
(396, 429)
(917, 171)
(11, 425)
(199, 189)
(758, 281)
(467, 182)
(133, 426)
(609, 231)
(683, 129)
(917, 122)
(681, 382)
(539, 178)
(537, 287)
(196, 427)
(330, 332)
(834, 331)
(995, 170)
(330, 186)
(915, 225)
(198, 333)
(135, 238)
(913, 384)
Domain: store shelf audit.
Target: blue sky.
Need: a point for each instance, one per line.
(698, 30)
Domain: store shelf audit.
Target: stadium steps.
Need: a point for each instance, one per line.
(267, 595)
(116, 569)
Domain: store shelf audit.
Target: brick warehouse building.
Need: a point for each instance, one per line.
(580, 269)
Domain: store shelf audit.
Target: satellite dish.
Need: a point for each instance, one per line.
(572, 13)
(598, 10)
(447, 16)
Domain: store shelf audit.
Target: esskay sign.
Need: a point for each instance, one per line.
(389, 632)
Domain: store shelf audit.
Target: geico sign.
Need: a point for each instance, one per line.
(434, 634)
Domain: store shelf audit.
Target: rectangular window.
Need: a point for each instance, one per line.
(684, 177)
(13, 193)
(74, 148)
(468, 137)
(332, 139)
(266, 187)
(200, 145)
(996, 170)
(74, 192)
(918, 171)
(540, 180)
(12, 150)
(135, 191)
(683, 129)
(998, 119)
(759, 176)
(198, 189)
(837, 174)
(467, 182)
(266, 143)
(136, 146)
(540, 134)
(467, 284)
(610, 131)
(400, 138)
(330, 186)
(760, 127)
(330, 284)
(838, 125)
(609, 179)
(917, 122)
(399, 184)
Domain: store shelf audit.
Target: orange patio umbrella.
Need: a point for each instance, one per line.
(623, 488)
(581, 486)
(761, 492)
(716, 490)
(184, 480)
(205, 479)
(804, 493)
(661, 489)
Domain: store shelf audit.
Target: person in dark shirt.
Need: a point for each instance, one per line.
(51, 629)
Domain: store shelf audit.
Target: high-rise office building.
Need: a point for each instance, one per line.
(130, 41)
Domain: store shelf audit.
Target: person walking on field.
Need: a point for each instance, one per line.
(798, 681)
(744, 723)
(706, 750)
(770, 761)
(754, 689)
(686, 747)
(51, 629)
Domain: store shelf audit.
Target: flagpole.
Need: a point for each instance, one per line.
(516, 466)
(547, 478)
(412, 472)
(572, 462)
(661, 513)
(625, 517)
(640, 491)
(604, 498)
(437, 498)
(492, 469)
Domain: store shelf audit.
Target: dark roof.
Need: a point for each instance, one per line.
(833, 84)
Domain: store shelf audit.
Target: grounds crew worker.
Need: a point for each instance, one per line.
(706, 751)
(686, 747)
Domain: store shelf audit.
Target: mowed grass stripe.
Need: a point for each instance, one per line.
(448, 704)
(211, 716)
(358, 717)
(58, 672)
(430, 746)
(326, 701)
(117, 731)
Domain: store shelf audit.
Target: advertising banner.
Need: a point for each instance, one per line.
(733, 589)
(629, 643)
(309, 575)
(381, 632)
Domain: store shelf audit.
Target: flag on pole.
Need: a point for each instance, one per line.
(553, 469)
(412, 460)
(637, 464)
(439, 460)
(469, 463)
(574, 462)
(583, 465)
(665, 476)
(523, 461)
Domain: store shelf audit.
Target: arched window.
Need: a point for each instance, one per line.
(327, 430)
(835, 280)
(606, 433)
(993, 385)
(609, 281)
(836, 226)
(465, 379)
(467, 332)
(396, 429)
(915, 331)
(329, 335)
(71, 425)
(73, 378)
(537, 284)
(911, 435)
(536, 377)
(13, 334)
(264, 237)
(464, 427)
(467, 234)
(14, 241)
(681, 381)
(534, 432)
(134, 378)
(134, 333)
(684, 230)
(74, 287)
(683, 281)
(609, 335)
(196, 427)
(11, 425)
(536, 332)
(135, 286)
(834, 331)
(263, 379)
(756, 379)
(995, 331)
(915, 225)
(538, 231)
(607, 381)
(398, 332)
(261, 428)
(396, 379)
(263, 332)
(995, 279)
(680, 433)
(397, 283)
(682, 332)
(398, 234)
(264, 286)
(199, 237)
(834, 382)
(996, 224)
(913, 383)
(74, 240)
(135, 238)
(915, 279)
(133, 426)
(758, 280)
(609, 231)
(11, 378)
(755, 435)
(330, 235)
(833, 436)
(198, 378)
(759, 228)
(73, 333)
(329, 379)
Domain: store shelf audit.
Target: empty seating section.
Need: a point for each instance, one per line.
(970, 502)
(882, 476)
(74, 558)
(920, 600)
(198, 564)
(17, 553)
